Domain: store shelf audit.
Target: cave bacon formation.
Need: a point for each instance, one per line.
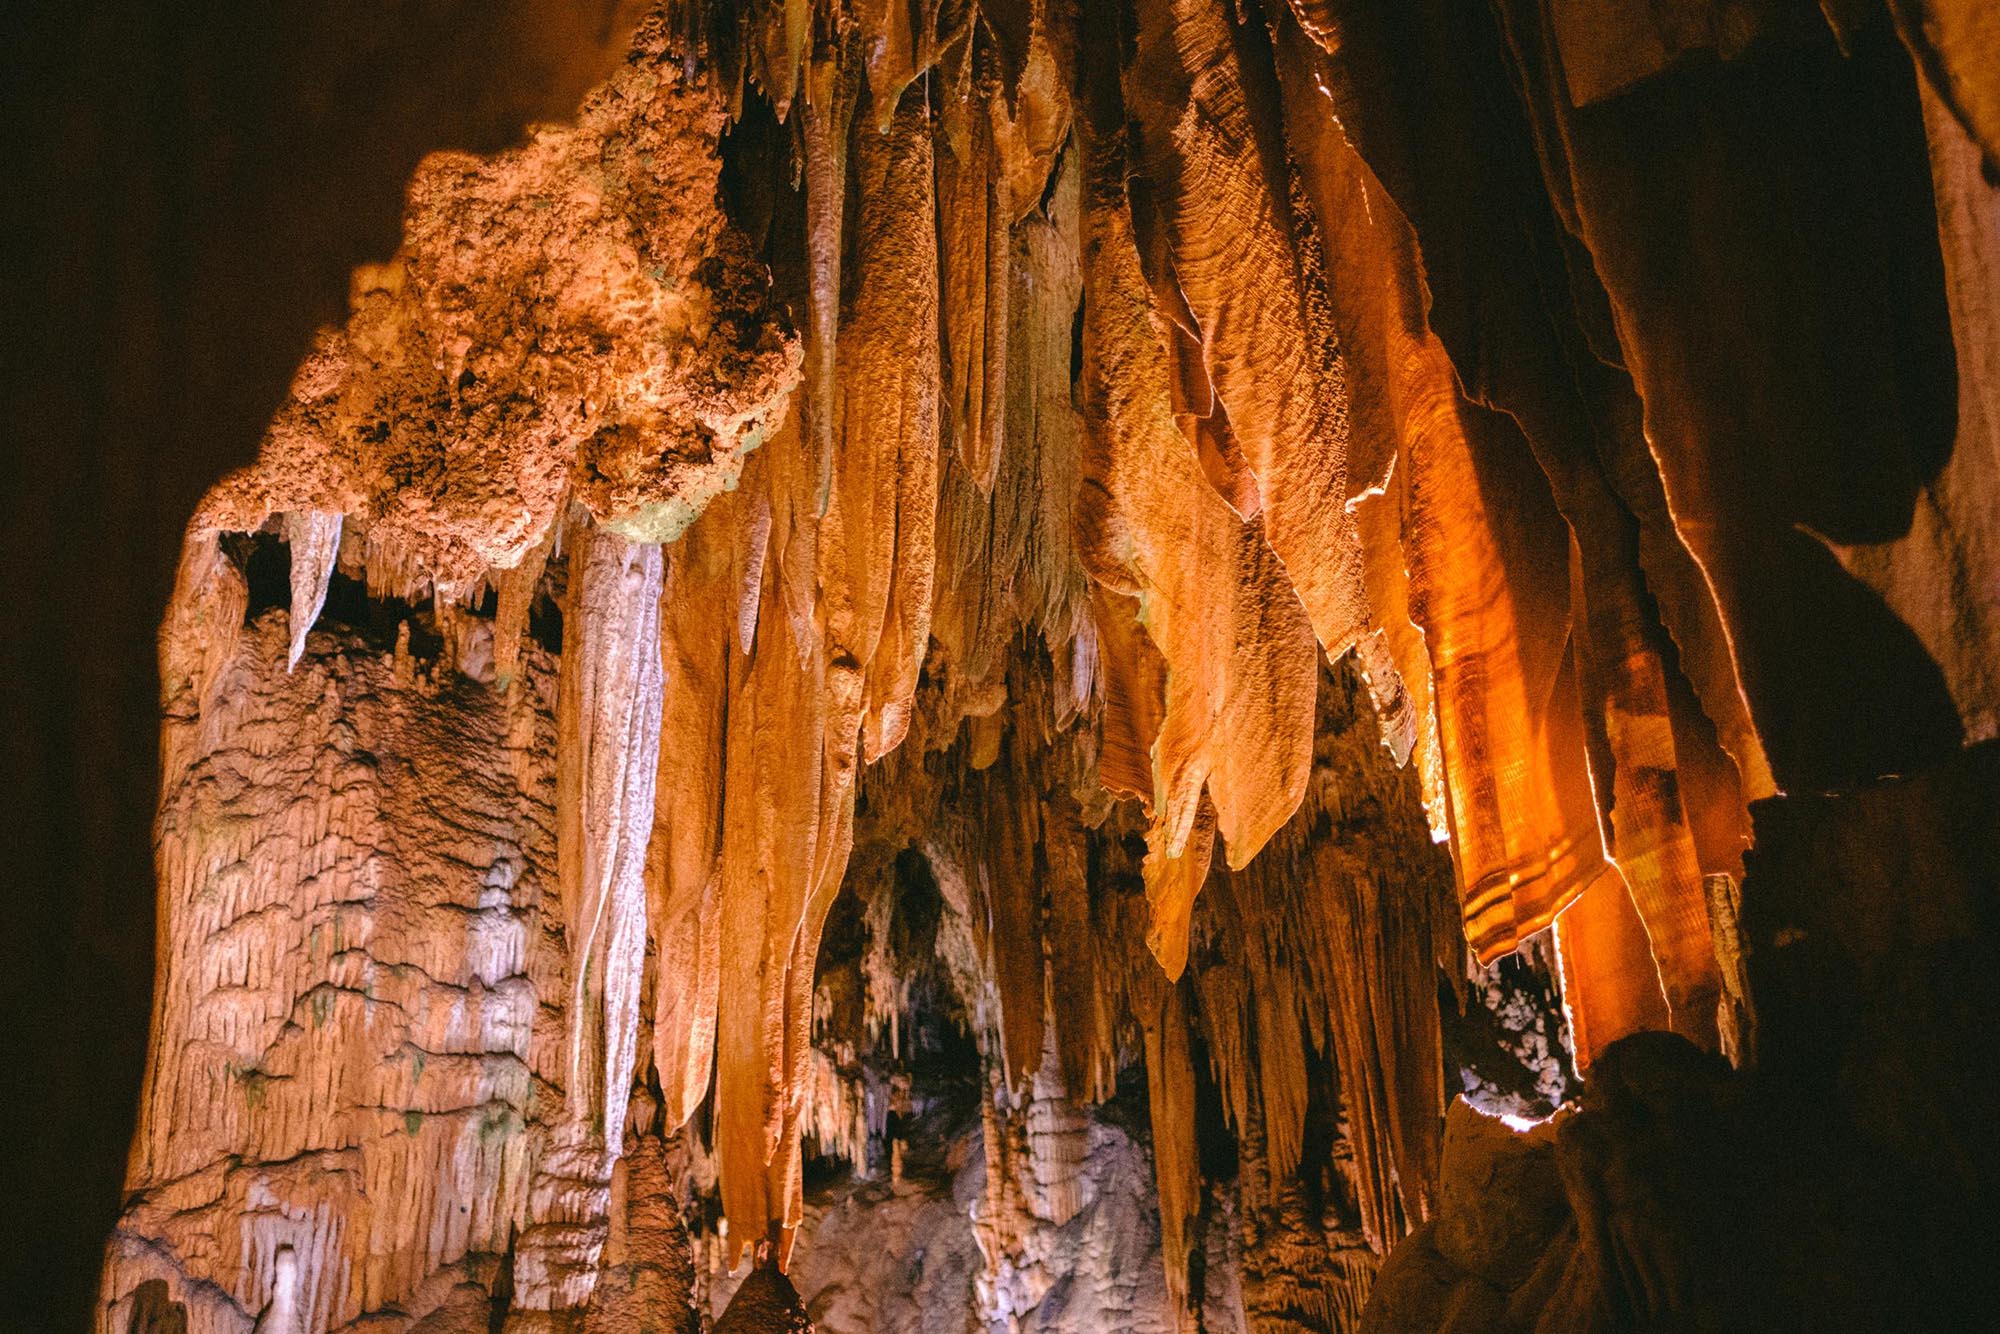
(1059, 405)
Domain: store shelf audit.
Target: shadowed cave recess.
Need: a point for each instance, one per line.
(1161, 665)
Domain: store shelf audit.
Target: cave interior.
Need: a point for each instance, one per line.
(1017, 665)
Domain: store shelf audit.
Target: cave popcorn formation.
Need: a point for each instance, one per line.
(1148, 550)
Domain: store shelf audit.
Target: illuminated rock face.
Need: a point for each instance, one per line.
(737, 662)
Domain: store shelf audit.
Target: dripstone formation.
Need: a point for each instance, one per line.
(1165, 665)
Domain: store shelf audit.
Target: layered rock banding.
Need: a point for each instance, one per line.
(741, 655)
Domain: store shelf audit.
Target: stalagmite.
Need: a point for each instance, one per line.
(383, 1052)
(283, 1315)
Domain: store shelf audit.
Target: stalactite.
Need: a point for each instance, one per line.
(773, 823)
(976, 216)
(701, 643)
(1249, 264)
(1645, 822)
(782, 29)
(889, 393)
(983, 455)
(1082, 1018)
(1007, 557)
(514, 597)
(1610, 982)
(607, 759)
(1135, 690)
(198, 639)
(966, 236)
(1010, 886)
(608, 743)
(1505, 701)
(1209, 584)
(1327, 942)
(1667, 794)
(1170, 1097)
(314, 539)
(824, 113)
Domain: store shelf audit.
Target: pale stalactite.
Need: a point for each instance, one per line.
(607, 758)
(314, 539)
(608, 747)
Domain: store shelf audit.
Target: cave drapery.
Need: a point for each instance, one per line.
(1178, 541)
